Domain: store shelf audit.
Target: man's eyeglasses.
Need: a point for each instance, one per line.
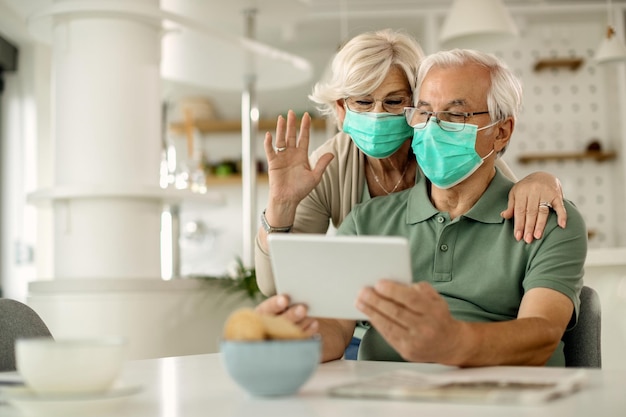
(391, 104)
(451, 121)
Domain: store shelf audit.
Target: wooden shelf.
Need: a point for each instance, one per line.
(215, 126)
(599, 156)
(86, 192)
(571, 63)
(234, 179)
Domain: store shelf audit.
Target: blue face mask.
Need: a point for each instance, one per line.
(378, 135)
(447, 158)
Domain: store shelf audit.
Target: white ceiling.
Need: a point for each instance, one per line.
(300, 24)
(315, 28)
(309, 28)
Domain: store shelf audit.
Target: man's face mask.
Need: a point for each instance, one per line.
(447, 157)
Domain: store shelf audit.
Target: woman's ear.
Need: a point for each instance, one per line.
(340, 110)
(340, 107)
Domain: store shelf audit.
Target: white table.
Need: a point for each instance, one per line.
(190, 386)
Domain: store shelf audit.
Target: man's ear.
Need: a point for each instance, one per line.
(505, 130)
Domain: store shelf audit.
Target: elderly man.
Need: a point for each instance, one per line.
(479, 296)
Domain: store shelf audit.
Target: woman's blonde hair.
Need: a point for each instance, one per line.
(362, 64)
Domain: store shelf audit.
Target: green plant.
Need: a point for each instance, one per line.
(239, 281)
(243, 281)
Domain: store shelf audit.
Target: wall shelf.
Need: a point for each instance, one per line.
(86, 192)
(599, 156)
(546, 63)
(215, 126)
(234, 179)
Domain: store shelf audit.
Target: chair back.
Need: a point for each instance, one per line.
(582, 344)
(17, 320)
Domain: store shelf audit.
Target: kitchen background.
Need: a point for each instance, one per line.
(571, 103)
(566, 109)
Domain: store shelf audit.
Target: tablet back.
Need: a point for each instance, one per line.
(327, 272)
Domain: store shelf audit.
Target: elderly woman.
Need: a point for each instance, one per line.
(373, 79)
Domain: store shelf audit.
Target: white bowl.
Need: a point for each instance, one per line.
(59, 366)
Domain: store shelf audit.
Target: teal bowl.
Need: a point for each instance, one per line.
(271, 367)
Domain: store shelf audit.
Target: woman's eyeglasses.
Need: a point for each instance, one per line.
(391, 104)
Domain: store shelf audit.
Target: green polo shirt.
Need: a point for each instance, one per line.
(474, 260)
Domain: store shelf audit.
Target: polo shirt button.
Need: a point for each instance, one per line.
(440, 219)
(443, 248)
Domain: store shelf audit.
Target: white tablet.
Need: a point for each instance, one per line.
(327, 272)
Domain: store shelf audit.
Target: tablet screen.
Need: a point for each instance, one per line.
(327, 272)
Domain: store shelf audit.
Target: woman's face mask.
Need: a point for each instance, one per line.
(378, 135)
(447, 157)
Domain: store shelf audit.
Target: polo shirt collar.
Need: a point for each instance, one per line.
(486, 210)
(419, 207)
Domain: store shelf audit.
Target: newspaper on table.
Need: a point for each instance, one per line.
(498, 384)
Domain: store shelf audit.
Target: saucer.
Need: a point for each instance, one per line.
(24, 393)
(66, 404)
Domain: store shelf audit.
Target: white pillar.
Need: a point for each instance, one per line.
(105, 194)
(106, 87)
(249, 132)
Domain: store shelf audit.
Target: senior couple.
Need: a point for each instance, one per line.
(496, 277)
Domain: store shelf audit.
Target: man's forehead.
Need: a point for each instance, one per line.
(455, 102)
(455, 86)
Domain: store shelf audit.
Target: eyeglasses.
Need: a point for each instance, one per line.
(392, 104)
(451, 121)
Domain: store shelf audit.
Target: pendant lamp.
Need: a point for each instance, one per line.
(471, 23)
(612, 48)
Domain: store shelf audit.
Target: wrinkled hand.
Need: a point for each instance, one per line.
(291, 178)
(524, 198)
(413, 319)
(278, 305)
